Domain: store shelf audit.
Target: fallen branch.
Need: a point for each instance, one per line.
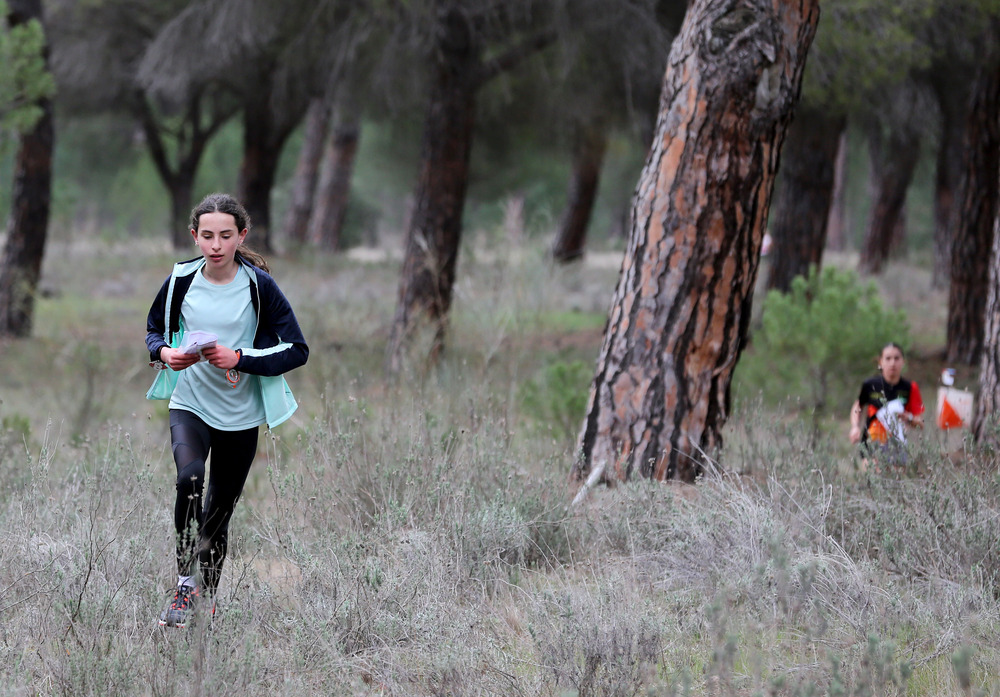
(595, 475)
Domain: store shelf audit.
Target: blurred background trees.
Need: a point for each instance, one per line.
(25, 109)
(25, 78)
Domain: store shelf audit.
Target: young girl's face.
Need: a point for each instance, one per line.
(891, 364)
(217, 238)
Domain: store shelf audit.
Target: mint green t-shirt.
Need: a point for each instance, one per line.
(226, 404)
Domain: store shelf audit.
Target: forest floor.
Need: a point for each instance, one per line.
(415, 538)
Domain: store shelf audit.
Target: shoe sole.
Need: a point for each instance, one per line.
(164, 623)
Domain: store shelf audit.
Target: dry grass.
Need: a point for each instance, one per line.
(414, 539)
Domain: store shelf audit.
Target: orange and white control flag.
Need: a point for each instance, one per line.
(954, 408)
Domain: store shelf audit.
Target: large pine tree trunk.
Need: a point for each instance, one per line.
(428, 275)
(333, 193)
(893, 161)
(680, 313)
(590, 142)
(803, 195)
(973, 232)
(21, 267)
(300, 209)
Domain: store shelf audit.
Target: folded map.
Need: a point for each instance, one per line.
(195, 341)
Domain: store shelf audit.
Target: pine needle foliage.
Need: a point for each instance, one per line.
(816, 342)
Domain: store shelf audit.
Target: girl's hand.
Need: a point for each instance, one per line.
(177, 360)
(221, 357)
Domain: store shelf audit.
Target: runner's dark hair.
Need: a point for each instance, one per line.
(224, 203)
(892, 344)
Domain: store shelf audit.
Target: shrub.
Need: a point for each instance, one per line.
(816, 342)
(557, 396)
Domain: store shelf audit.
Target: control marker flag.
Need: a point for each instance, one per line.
(954, 408)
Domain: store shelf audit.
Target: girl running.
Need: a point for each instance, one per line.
(887, 405)
(222, 334)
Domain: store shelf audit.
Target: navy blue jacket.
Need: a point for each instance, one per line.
(278, 344)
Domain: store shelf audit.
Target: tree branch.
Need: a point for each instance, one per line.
(513, 56)
(154, 140)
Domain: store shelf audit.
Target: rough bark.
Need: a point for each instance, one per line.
(977, 210)
(893, 161)
(803, 195)
(679, 318)
(304, 183)
(590, 143)
(333, 193)
(21, 267)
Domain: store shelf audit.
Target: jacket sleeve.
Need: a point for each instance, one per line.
(280, 346)
(156, 323)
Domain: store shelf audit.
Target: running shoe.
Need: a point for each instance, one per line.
(180, 608)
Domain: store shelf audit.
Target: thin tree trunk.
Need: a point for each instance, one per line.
(803, 195)
(975, 218)
(681, 310)
(256, 176)
(590, 142)
(428, 275)
(192, 137)
(264, 136)
(893, 163)
(180, 190)
(984, 423)
(435, 229)
(837, 223)
(21, 267)
(304, 187)
(947, 173)
(333, 194)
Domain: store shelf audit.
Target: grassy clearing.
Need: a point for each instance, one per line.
(414, 539)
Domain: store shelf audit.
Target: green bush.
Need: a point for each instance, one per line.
(15, 434)
(818, 342)
(24, 79)
(556, 397)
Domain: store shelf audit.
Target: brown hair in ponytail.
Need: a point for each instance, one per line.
(224, 203)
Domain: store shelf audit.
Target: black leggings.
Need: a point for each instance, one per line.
(203, 531)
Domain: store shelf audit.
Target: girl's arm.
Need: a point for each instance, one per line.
(156, 323)
(855, 433)
(156, 342)
(284, 347)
